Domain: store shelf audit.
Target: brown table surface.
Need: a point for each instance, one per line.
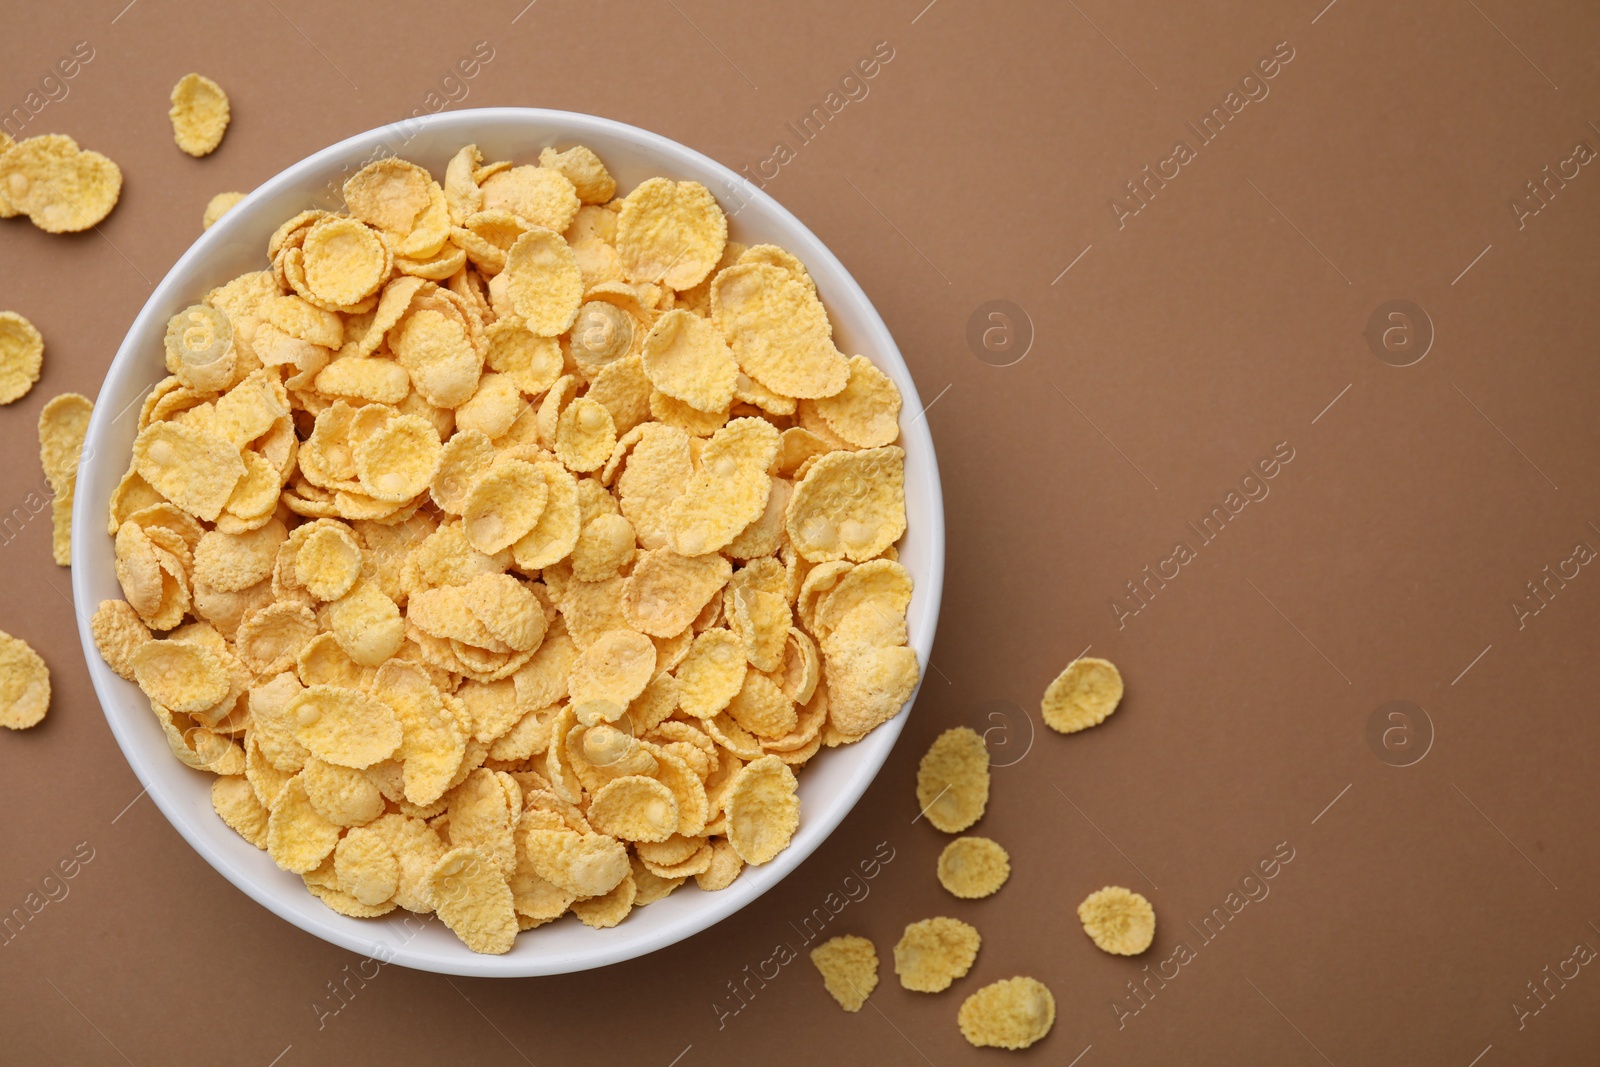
(1173, 349)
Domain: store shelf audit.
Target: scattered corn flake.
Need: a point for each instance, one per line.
(849, 968)
(63, 424)
(217, 207)
(1118, 920)
(953, 779)
(1082, 695)
(199, 114)
(24, 684)
(973, 867)
(933, 953)
(1010, 1014)
(21, 356)
(59, 186)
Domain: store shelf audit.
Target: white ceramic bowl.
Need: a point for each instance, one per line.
(829, 786)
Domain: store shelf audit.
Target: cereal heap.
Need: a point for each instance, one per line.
(507, 546)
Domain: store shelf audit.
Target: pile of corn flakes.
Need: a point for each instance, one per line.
(507, 546)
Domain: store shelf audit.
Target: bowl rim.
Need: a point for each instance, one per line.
(88, 528)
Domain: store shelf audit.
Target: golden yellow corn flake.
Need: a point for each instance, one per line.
(585, 435)
(59, 186)
(634, 808)
(366, 866)
(298, 838)
(711, 674)
(686, 358)
(462, 548)
(953, 780)
(199, 114)
(849, 969)
(1010, 1014)
(849, 505)
(666, 590)
(588, 175)
(670, 233)
(118, 634)
(1118, 920)
(344, 261)
(778, 330)
(543, 284)
(973, 867)
(473, 899)
(935, 952)
(21, 356)
(1082, 695)
(181, 676)
(237, 805)
(763, 808)
(341, 795)
(344, 726)
(63, 423)
(217, 207)
(24, 684)
(614, 669)
(866, 412)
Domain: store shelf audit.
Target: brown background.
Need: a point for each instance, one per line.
(1223, 319)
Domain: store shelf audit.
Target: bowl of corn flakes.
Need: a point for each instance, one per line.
(508, 543)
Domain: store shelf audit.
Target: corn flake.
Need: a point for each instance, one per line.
(849, 969)
(1010, 1014)
(1082, 695)
(763, 809)
(670, 233)
(199, 114)
(59, 186)
(472, 898)
(24, 684)
(21, 356)
(933, 953)
(973, 867)
(953, 780)
(1118, 920)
